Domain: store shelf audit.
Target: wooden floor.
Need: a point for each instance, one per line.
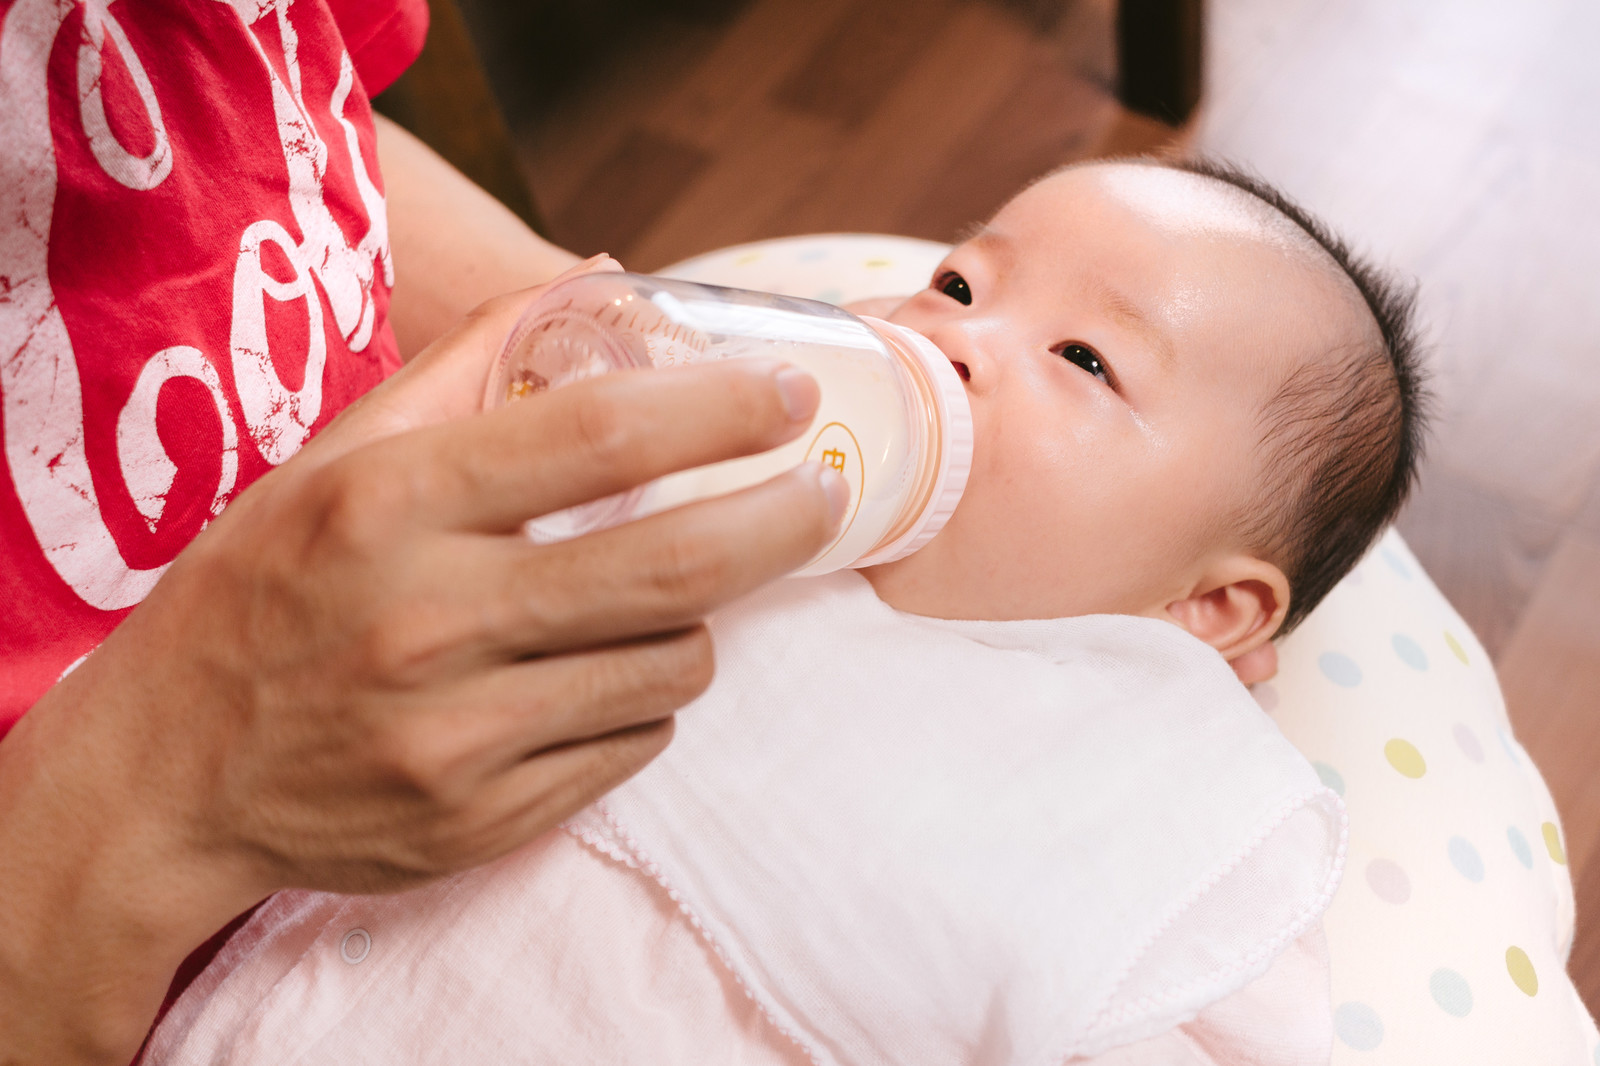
(1458, 139)
(914, 117)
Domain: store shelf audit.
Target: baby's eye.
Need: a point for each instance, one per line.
(1086, 359)
(954, 286)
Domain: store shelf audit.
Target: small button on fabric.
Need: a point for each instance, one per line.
(355, 945)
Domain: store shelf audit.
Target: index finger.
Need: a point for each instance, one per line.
(493, 472)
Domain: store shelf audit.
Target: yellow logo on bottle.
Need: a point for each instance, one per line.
(835, 446)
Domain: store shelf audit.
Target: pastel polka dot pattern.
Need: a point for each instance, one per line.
(1340, 669)
(1451, 865)
(1451, 991)
(1467, 741)
(1358, 1026)
(1388, 881)
(1506, 745)
(1520, 967)
(1519, 846)
(855, 266)
(1329, 776)
(1429, 978)
(1404, 757)
(1465, 858)
(1410, 652)
(1552, 843)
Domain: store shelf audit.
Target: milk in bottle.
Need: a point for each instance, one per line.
(893, 419)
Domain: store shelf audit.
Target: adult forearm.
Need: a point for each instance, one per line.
(454, 245)
(99, 903)
(99, 899)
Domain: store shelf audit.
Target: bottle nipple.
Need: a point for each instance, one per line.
(942, 475)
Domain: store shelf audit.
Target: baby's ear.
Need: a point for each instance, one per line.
(1236, 606)
(1260, 664)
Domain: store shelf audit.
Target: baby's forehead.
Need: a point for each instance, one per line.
(1179, 204)
(1236, 290)
(1248, 239)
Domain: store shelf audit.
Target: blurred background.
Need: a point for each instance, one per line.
(1456, 140)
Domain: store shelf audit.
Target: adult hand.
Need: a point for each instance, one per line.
(362, 676)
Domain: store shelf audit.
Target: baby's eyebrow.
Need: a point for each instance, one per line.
(972, 231)
(996, 244)
(1132, 317)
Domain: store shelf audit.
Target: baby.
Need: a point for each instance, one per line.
(1001, 801)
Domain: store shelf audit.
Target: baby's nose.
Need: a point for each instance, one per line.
(967, 355)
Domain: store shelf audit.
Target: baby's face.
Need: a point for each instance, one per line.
(1120, 328)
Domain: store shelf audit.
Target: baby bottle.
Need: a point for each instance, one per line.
(893, 418)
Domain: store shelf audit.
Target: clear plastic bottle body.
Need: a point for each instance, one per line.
(893, 418)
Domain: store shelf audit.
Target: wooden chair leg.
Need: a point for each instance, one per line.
(445, 99)
(1159, 48)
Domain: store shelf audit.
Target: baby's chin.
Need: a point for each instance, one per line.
(947, 579)
(918, 584)
(937, 582)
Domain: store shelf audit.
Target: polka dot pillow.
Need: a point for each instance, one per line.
(1450, 932)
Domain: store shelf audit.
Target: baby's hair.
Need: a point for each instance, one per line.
(1344, 434)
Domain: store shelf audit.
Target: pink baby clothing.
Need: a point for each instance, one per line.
(607, 970)
(876, 839)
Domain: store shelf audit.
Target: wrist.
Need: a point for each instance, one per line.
(102, 894)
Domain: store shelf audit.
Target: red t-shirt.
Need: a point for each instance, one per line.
(194, 278)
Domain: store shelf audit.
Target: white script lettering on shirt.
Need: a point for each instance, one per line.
(39, 373)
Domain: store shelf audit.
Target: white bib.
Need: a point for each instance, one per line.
(926, 842)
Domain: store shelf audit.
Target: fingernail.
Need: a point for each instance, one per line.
(585, 265)
(838, 493)
(799, 392)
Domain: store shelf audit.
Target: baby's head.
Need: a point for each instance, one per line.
(1189, 402)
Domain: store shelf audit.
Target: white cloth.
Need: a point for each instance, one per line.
(917, 841)
(910, 841)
